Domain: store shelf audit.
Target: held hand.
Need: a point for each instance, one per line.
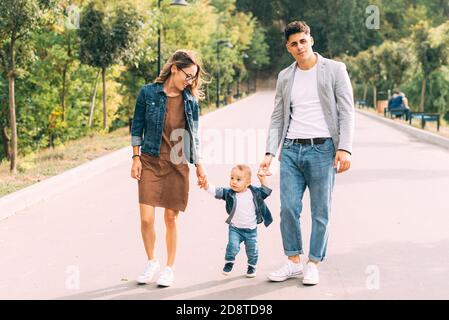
(342, 161)
(261, 175)
(136, 169)
(202, 177)
(265, 165)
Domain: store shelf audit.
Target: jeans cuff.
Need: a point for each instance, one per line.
(293, 253)
(315, 259)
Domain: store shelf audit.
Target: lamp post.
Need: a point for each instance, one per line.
(229, 45)
(173, 3)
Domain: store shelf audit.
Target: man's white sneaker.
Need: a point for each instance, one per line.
(148, 274)
(288, 270)
(311, 274)
(166, 278)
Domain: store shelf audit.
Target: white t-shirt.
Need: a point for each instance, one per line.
(307, 117)
(245, 210)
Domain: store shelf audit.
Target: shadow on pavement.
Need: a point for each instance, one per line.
(153, 292)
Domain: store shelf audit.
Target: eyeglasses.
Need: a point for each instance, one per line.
(189, 77)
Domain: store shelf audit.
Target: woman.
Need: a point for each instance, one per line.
(166, 111)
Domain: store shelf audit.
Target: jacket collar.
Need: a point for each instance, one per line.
(251, 187)
(185, 93)
(320, 62)
(321, 76)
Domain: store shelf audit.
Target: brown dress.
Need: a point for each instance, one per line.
(164, 183)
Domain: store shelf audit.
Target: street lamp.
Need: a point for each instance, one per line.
(229, 45)
(173, 3)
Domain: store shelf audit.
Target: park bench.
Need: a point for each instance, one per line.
(360, 103)
(397, 113)
(425, 117)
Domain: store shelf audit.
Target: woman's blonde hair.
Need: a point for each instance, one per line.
(183, 59)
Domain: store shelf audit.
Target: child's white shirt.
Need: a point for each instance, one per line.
(245, 210)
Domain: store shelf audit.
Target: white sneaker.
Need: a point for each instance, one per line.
(166, 278)
(311, 274)
(288, 270)
(148, 274)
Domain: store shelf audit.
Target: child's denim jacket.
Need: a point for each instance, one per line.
(259, 194)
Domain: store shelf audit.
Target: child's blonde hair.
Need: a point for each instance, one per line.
(245, 169)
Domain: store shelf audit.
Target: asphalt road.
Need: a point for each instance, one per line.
(389, 235)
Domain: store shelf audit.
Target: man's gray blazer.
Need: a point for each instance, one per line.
(336, 98)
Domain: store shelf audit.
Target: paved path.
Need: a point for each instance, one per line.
(389, 228)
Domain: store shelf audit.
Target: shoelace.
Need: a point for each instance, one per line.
(167, 273)
(149, 268)
(285, 269)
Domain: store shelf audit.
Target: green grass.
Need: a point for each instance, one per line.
(416, 123)
(45, 163)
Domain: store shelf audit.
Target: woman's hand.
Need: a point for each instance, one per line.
(201, 175)
(136, 169)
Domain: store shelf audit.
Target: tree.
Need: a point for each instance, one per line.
(430, 55)
(257, 55)
(105, 40)
(370, 62)
(17, 19)
(397, 58)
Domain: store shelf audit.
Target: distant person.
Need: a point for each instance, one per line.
(399, 102)
(165, 111)
(246, 209)
(313, 122)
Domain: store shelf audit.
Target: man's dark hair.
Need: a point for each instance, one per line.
(296, 27)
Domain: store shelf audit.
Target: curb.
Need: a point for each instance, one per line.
(50, 187)
(421, 134)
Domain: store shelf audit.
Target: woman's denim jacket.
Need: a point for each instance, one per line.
(148, 122)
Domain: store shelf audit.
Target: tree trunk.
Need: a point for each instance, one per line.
(365, 91)
(375, 96)
(92, 103)
(12, 109)
(255, 81)
(445, 7)
(238, 88)
(64, 75)
(423, 94)
(6, 143)
(103, 73)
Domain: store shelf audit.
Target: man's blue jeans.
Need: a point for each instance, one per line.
(304, 166)
(237, 236)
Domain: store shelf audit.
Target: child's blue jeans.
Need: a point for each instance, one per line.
(237, 236)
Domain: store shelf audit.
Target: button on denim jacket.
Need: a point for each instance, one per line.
(263, 214)
(148, 122)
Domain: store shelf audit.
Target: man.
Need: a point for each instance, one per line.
(313, 117)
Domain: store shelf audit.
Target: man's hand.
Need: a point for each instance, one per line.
(342, 161)
(201, 175)
(265, 165)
